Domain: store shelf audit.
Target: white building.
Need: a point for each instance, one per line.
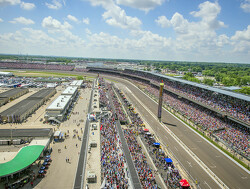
(6, 74)
(70, 91)
(58, 109)
(76, 83)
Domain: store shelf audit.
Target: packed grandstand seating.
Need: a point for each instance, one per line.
(234, 135)
(235, 107)
(37, 66)
(114, 173)
(119, 111)
(168, 171)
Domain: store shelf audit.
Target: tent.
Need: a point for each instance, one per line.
(145, 130)
(184, 183)
(168, 160)
(157, 144)
(148, 133)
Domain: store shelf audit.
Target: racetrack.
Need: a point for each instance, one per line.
(229, 172)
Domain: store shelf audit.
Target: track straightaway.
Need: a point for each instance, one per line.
(229, 172)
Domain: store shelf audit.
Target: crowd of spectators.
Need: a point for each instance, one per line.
(169, 173)
(234, 136)
(234, 107)
(114, 172)
(118, 108)
(238, 139)
(112, 158)
(145, 173)
(17, 65)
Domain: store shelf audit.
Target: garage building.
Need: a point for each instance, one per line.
(11, 95)
(20, 111)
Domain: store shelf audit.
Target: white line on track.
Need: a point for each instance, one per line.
(207, 184)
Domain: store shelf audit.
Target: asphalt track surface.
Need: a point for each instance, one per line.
(230, 173)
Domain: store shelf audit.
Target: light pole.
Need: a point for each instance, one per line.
(10, 133)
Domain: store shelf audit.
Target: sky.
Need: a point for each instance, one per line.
(181, 30)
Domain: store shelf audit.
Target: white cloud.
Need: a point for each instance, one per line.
(163, 21)
(197, 36)
(1, 20)
(54, 25)
(54, 5)
(208, 13)
(145, 5)
(72, 18)
(245, 6)
(22, 20)
(9, 2)
(241, 40)
(85, 21)
(115, 16)
(27, 6)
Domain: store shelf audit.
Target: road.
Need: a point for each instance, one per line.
(230, 173)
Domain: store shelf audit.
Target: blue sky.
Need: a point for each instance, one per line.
(184, 30)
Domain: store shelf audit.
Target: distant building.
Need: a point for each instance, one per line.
(8, 74)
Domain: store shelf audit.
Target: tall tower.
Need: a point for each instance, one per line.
(160, 100)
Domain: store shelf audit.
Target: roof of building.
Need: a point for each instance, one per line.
(76, 83)
(38, 132)
(11, 92)
(6, 73)
(42, 93)
(69, 90)
(59, 103)
(25, 157)
(21, 107)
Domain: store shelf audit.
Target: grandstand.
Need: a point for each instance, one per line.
(224, 114)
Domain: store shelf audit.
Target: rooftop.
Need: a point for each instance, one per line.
(21, 107)
(59, 103)
(25, 157)
(76, 83)
(69, 90)
(11, 92)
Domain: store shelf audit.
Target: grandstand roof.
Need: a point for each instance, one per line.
(221, 91)
(25, 157)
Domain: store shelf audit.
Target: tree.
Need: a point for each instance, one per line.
(245, 90)
(79, 77)
(228, 81)
(207, 81)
